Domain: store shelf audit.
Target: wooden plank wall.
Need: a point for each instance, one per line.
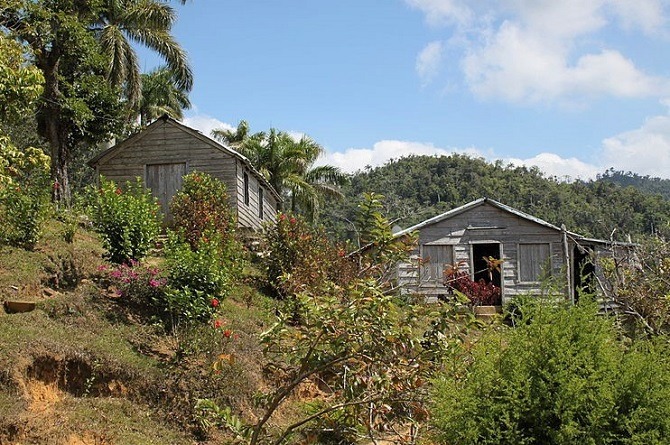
(248, 214)
(505, 228)
(168, 144)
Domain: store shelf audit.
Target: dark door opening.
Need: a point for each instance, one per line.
(481, 266)
(583, 271)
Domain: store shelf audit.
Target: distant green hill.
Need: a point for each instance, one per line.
(645, 183)
(418, 187)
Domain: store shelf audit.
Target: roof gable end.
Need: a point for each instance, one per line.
(166, 120)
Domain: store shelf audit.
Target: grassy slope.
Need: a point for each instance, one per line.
(80, 370)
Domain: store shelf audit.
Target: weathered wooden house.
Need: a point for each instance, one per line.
(166, 150)
(531, 250)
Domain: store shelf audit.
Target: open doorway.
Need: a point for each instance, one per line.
(480, 265)
(583, 270)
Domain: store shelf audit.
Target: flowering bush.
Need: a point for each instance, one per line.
(201, 208)
(127, 220)
(148, 291)
(480, 293)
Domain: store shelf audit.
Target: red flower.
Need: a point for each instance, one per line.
(282, 217)
(227, 333)
(293, 221)
(218, 324)
(118, 191)
(341, 253)
(215, 302)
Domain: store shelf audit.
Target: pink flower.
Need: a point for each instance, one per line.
(154, 283)
(102, 268)
(115, 274)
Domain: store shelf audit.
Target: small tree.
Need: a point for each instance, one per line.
(203, 254)
(300, 258)
(363, 348)
(380, 251)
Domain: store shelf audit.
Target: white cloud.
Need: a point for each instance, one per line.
(428, 61)
(205, 124)
(355, 159)
(534, 50)
(645, 14)
(554, 165)
(645, 150)
(439, 12)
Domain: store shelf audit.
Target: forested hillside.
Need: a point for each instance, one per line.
(645, 183)
(418, 187)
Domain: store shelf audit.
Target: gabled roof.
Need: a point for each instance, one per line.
(481, 201)
(110, 152)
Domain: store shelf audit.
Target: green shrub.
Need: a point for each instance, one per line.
(563, 378)
(24, 194)
(203, 255)
(128, 220)
(24, 207)
(205, 269)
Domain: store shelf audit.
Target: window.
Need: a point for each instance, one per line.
(260, 202)
(436, 258)
(533, 260)
(246, 188)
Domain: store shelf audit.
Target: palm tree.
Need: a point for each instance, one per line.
(56, 31)
(307, 184)
(147, 22)
(233, 137)
(161, 95)
(288, 165)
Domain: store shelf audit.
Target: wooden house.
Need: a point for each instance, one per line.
(531, 249)
(166, 150)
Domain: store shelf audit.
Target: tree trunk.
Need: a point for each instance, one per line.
(51, 128)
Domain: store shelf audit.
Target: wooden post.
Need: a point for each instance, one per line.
(568, 269)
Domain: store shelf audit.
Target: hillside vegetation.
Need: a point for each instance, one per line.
(191, 337)
(419, 187)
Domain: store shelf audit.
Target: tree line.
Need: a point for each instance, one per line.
(419, 187)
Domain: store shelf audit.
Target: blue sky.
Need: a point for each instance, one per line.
(573, 86)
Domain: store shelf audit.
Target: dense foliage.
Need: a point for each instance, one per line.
(203, 255)
(127, 219)
(90, 69)
(563, 377)
(419, 187)
(299, 258)
(645, 183)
